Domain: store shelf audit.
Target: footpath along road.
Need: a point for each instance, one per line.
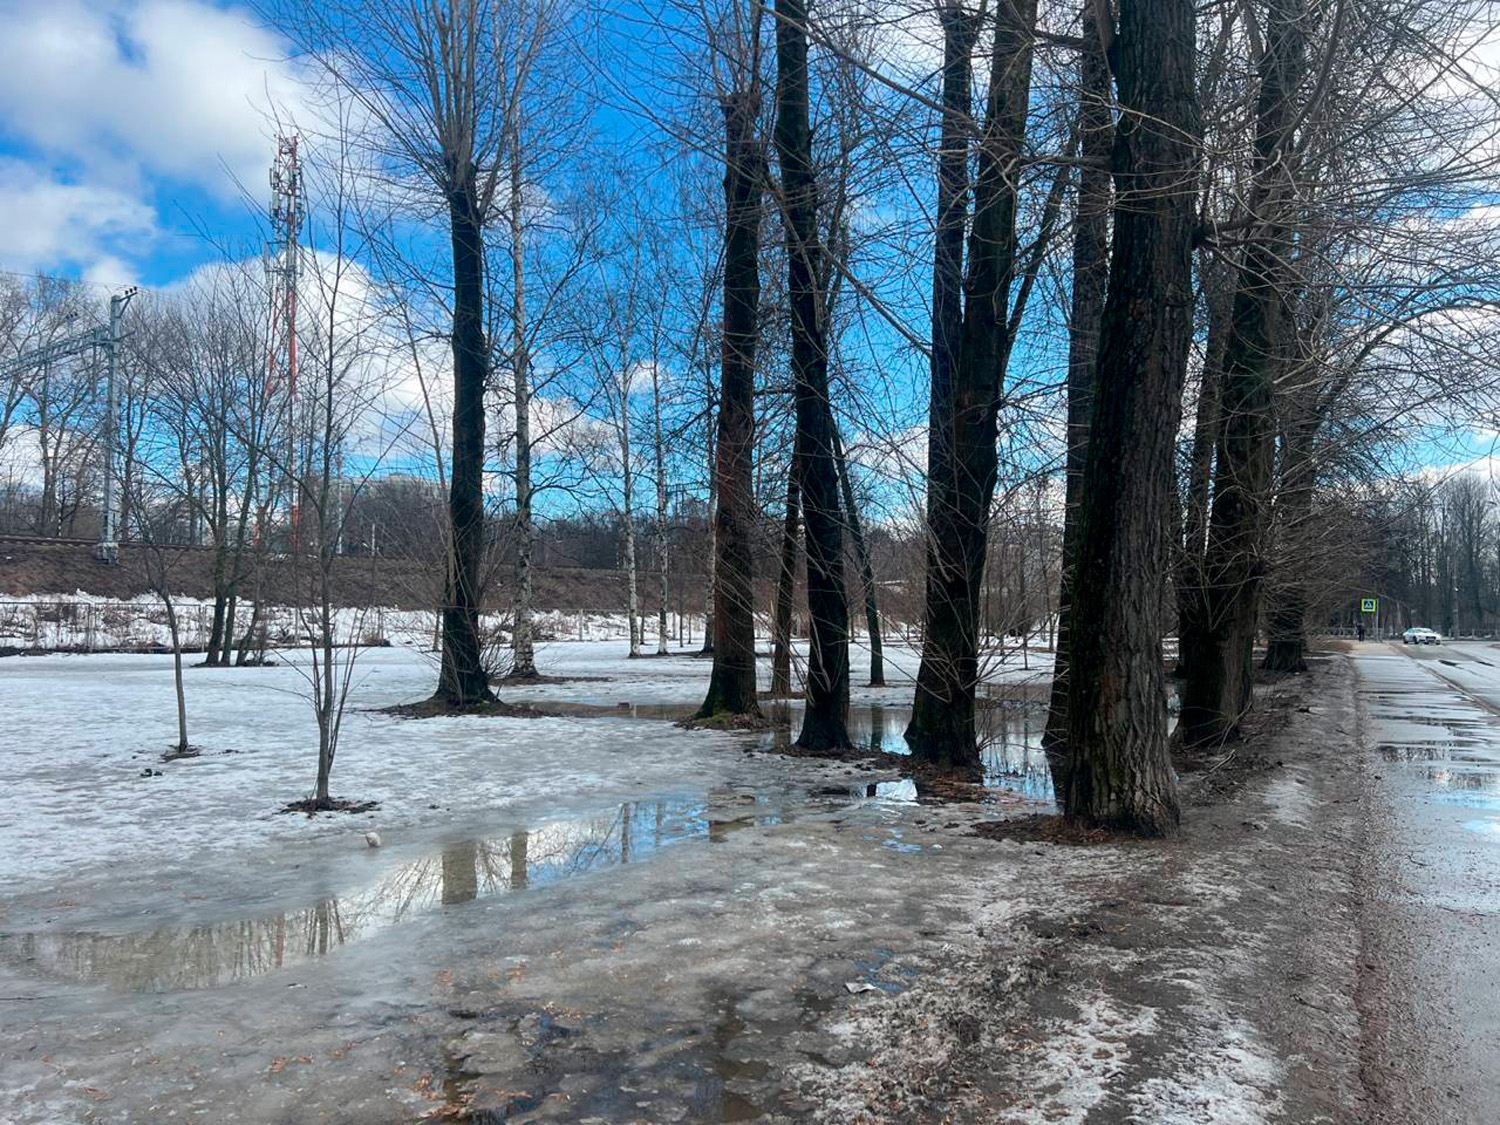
(1431, 721)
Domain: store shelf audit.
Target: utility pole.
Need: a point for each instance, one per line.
(108, 548)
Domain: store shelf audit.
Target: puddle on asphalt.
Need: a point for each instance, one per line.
(1429, 730)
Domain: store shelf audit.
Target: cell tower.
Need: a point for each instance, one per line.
(283, 263)
(283, 266)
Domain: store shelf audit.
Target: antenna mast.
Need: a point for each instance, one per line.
(283, 266)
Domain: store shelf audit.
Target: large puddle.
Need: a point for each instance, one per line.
(1431, 731)
(218, 953)
(1010, 734)
(214, 954)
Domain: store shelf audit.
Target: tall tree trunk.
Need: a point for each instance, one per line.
(1217, 690)
(862, 559)
(176, 635)
(961, 478)
(242, 542)
(216, 630)
(825, 719)
(1115, 769)
(462, 680)
(523, 649)
(1286, 611)
(247, 638)
(632, 585)
(786, 581)
(711, 566)
(226, 645)
(662, 592)
(1218, 278)
(1090, 276)
(731, 687)
(960, 33)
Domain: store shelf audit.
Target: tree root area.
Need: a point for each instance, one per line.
(537, 678)
(177, 754)
(311, 805)
(441, 709)
(727, 720)
(1047, 829)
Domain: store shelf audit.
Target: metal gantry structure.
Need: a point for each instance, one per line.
(106, 339)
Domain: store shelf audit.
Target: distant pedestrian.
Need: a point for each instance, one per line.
(1361, 629)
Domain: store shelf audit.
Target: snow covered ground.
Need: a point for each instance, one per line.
(602, 917)
(81, 732)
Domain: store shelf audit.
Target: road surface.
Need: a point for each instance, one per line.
(1431, 717)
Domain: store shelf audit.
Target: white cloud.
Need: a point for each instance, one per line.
(174, 87)
(111, 100)
(48, 223)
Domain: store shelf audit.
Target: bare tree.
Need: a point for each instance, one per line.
(732, 691)
(424, 78)
(1115, 769)
(825, 719)
(970, 349)
(1217, 688)
(1090, 275)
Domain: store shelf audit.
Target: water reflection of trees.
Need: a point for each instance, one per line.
(1465, 779)
(1011, 749)
(1010, 736)
(210, 955)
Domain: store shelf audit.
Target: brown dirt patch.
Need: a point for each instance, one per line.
(440, 708)
(1047, 829)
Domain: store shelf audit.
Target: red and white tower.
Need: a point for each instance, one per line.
(283, 262)
(283, 267)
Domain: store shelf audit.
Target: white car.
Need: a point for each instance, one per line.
(1416, 636)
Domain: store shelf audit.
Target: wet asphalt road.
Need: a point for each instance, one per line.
(1433, 724)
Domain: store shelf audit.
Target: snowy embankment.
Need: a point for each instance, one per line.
(82, 731)
(82, 622)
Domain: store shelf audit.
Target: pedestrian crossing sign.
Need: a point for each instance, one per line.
(1368, 605)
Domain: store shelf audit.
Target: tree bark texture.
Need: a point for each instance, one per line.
(636, 622)
(862, 560)
(523, 649)
(462, 680)
(710, 586)
(1286, 609)
(1090, 277)
(786, 581)
(1218, 280)
(1115, 769)
(825, 718)
(731, 688)
(663, 591)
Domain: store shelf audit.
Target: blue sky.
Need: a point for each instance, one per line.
(133, 134)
